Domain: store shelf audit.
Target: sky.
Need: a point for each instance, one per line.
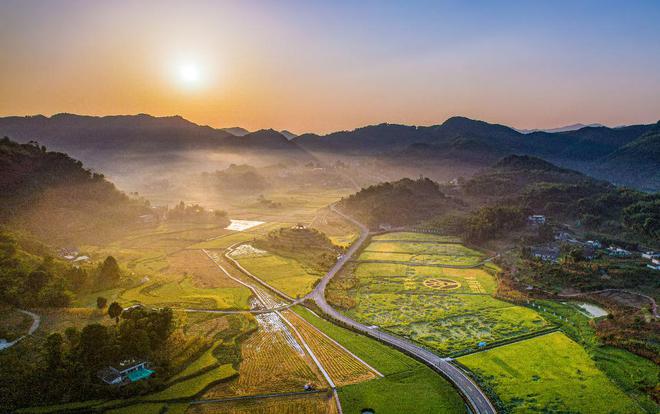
(313, 66)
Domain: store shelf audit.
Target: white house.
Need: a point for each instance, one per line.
(536, 219)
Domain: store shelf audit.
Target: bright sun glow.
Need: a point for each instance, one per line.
(189, 74)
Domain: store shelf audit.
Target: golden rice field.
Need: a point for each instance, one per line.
(269, 364)
(342, 367)
(316, 403)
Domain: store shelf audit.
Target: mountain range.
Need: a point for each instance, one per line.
(624, 155)
(566, 128)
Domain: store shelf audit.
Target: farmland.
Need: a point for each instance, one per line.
(448, 309)
(407, 385)
(342, 367)
(283, 273)
(302, 404)
(269, 363)
(420, 251)
(555, 375)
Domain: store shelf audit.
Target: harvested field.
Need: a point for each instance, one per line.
(271, 362)
(342, 367)
(317, 403)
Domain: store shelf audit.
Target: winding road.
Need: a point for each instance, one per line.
(476, 398)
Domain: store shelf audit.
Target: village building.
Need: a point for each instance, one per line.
(617, 252)
(594, 243)
(126, 372)
(536, 219)
(651, 255)
(547, 253)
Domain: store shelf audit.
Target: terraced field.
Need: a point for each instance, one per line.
(450, 310)
(550, 373)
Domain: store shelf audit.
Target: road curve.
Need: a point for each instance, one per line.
(476, 398)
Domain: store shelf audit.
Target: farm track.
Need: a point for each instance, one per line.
(475, 397)
(36, 321)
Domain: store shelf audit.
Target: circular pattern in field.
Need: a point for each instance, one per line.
(441, 284)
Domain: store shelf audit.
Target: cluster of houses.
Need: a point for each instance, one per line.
(73, 255)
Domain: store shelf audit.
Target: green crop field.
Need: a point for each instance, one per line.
(419, 251)
(450, 310)
(408, 386)
(550, 373)
(283, 273)
(405, 235)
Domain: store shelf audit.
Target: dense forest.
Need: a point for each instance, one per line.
(400, 203)
(54, 197)
(66, 366)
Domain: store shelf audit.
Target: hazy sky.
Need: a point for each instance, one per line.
(324, 66)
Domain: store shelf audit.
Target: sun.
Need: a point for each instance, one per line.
(189, 74)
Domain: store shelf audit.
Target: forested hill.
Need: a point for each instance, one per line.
(515, 173)
(568, 196)
(55, 198)
(399, 203)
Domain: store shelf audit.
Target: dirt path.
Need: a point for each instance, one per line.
(36, 321)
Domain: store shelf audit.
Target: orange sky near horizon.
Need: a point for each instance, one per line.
(318, 68)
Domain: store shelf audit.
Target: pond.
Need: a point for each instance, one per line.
(593, 310)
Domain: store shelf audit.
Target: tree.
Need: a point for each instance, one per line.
(94, 345)
(109, 272)
(101, 302)
(53, 349)
(114, 310)
(36, 281)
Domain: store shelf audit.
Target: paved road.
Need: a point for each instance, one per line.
(478, 401)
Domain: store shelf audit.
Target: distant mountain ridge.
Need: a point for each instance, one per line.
(478, 142)
(566, 128)
(596, 150)
(106, 141)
